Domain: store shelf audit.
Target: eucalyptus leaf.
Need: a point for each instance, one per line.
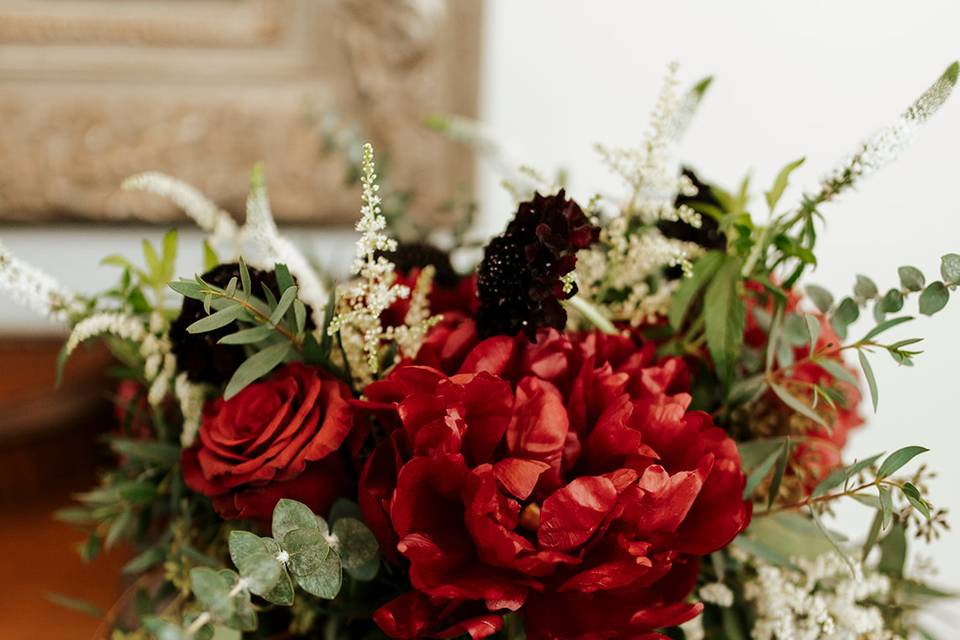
(778, 473)
(210, 257)
(897, 459)
(260, 568)
(798, 405)
(248, 336)
(217, 319)
(893, 551)
(821, 298)
(307, 548)
(871, 379)
(912, 494)
(724, 318)
(289, 515)
(284, 279)
(883, 326)
(813, 330)
(244, 276)
(780, 183)
(212, 590)
(934, 298)
(325, 583)
(865, 288)
(836, 369)
(256, 366)
(703, 270)
(886, 505)
(356, 544)
(289, 295)
(162, 629)
(950, 268)
(892, 301)
(911, 278)
(872, 535)
(189, 289)
(758, 473)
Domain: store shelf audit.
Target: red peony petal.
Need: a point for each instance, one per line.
(571, 515)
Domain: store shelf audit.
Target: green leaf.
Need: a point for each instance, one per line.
(934, 298)
(254, 561)
(724, 318)
(912, 494)
(760, 472)
(76, 604)
(865, 288)
(169, 253)
(160, 453)
(897, 459)
(911, 278)
(210, 257)
(836, 369)
(833, 542)
(703, 271)
(892, 301)
(893, 551)
(282, 593)
(162, 629)
(154, 266)
(289, 515)
(189, 289)
(308, 549)
(217, 319)
(284, 279)
(883, 326)
(886, 505)
(813, 329)
(780, 183)
(289, 295)
(847, 311)
(871, 379)
(325, 583)
(256, 366)
(144, 561)
(798, 405)
(821, 298)
(248, 336)
(244, 276)
(299, 315)
(950, 268)
(355, 542)
(778, 473)
(872, 535)
(212, 590)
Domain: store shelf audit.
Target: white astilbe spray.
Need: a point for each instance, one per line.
(716, 593)
(207, 215)
(374, 289)
(885, 145)
(116, 324)
(35, 289)
(418, 321)
(632, 253)
(190, 396)
(269, 247)
(822, 601)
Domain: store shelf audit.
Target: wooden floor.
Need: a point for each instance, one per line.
(49, 450)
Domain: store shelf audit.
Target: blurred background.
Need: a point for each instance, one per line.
(92, 91)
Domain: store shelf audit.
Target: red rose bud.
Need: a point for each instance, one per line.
(564, 479)
(277, 438)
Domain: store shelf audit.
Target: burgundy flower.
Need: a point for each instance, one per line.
(275, 439)
(519, 281)
(564, 479)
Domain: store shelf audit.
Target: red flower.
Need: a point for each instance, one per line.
(564, 479)
(275, 439)
(821, 451)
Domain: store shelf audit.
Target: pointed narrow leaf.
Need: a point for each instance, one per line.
(284, 279)
(886, 505)
(871, 379)
(724, 318)
(217, 319)
(780, 183)
(798, 405)
(872, 535)
(838, 371)
(883, 326)
(244, 276)
(897, 459)
(813, 329)
(703, 271)
(248, 336)
(289, 295)
(760, 472)
(833, 542)
(912, 494)
(256, 366)
(781, 468)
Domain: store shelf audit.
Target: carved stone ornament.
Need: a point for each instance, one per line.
(92, 91)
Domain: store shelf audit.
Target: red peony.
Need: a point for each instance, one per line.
(275, 439)
(565, 480)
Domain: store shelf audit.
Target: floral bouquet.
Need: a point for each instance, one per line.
(626, 419)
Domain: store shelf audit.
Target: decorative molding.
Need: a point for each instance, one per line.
(92, 91)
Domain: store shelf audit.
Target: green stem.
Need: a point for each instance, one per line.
(593, 314)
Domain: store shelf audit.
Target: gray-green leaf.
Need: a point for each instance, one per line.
(355, 542)
(934, 298)
(911, 278)
(217, 319)
(822, 298)
(724, 316)
(289, 515)
(871, 379)
(950, 268)
(256, 366)
(897, 459)
(325, 583)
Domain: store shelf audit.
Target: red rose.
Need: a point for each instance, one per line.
(564, 479)
(275, 439)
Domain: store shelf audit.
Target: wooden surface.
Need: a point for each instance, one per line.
(49, 450)
(92, 91)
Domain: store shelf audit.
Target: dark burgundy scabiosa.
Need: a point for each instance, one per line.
(519, 282)
(198, 354)
(708, 234)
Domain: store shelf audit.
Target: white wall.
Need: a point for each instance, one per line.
(792, 79)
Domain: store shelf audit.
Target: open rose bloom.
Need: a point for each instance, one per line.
(566, 480)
